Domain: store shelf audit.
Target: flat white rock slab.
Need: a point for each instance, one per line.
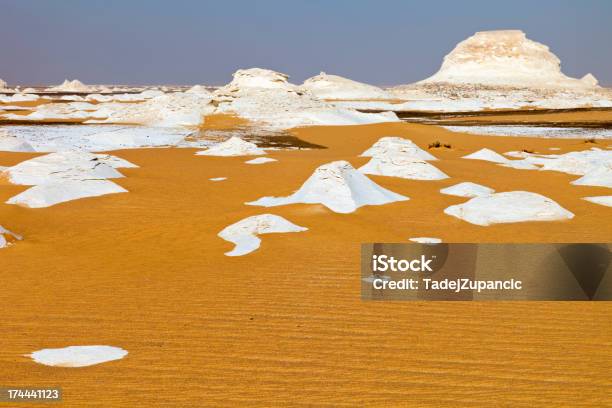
(78, 356)
(244, 232)
(260, 160)
(48, 194)
(339, 187)
(426, 240)
(602, 200)
(234, 146)
(508, 207)
(218, 178)
(467, 189)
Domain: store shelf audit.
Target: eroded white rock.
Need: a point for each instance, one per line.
(234, 146)
(327, 86)
(339, 187)
(426, 240)
(391, 145)
(509, 207)
(260, 160)
(487, 155)
(244, 233)
(52, 193)
(7, 237)
(601, 200)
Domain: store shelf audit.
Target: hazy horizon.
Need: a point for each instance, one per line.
(201, 42)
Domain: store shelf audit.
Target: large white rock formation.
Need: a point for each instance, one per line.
(339, 187)
(509, 207)
(504, 58)
(234, 146)
(71, 86)
(326, 86)
(244, 232)
(467, 189)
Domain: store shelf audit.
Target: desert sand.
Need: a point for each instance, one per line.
(146, 271)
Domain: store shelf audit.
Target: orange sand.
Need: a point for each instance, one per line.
(285, 325)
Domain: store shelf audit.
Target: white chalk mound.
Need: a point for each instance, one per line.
(508, 207)
(397, 145)
(218, 178)
(487, 155)
(467, 189)
(7, 237)
(234, 146)
(78, 356)
(339, 187)
(71, 86)
(260, 160)
(199, 89)
(505, 58)
(600, 176)
(244, 232)
(326, 86)
(397, 157)
(48, 194)
(601, 200)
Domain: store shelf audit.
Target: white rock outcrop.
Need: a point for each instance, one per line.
(397, 145)
(260, 160)
(10, 143)
(244, 233)
(504, 58)
(600, 176)
(327, 86)
(339, 187)
(234, 146)
(71, 86)
(426, 240)
(3, 84)
(509, 207)
(77, 356)
(601, 200)
(467, 189)
(487, 155)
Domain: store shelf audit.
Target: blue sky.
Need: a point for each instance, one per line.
(382, 42)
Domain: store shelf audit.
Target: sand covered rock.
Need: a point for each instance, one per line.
(504, 58)
(234, 146)
(52, 193)
(397, 145)
(487, 155)
(326, 86)
(509, 207)
(244, 232)
(179, 109)
(77, 356)
(71, 86)
(601, 200)
(7, 237)
(339, 187)
(467, 189)
(260, 160)
(267, 99)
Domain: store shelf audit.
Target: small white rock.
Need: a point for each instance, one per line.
(77, 356)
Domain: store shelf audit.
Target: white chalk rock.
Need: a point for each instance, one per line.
(467, 189)
(487, 155)
(244, 232)
(78, 356)
(9, 143)
(65, 166)
(504, 58)
(339, 187)
(601, 200)
(200, 90)
(426, 240)
(397, 145)
(508, 207)
(3, 84)
(326, 86)
(218, 178)
(234, 146)
(51, 193)
(7, 237)
(71, 86)
(260, 160)
(402, 166)
(600, 176)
